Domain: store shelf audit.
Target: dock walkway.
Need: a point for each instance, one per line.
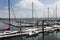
(11, 35)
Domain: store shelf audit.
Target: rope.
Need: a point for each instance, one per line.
(13, 13)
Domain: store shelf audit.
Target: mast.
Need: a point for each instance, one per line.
(48, 13)
(56, 12)
(53, 16)
(9, 11)
(32, 11)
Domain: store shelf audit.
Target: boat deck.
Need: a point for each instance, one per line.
(11, 35)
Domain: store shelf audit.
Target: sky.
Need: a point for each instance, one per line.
(23, 8)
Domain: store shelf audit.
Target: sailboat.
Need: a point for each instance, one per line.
(56, 26)
(7, 30)
(32, 31)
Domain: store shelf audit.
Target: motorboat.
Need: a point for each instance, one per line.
(31, 31)
(56, 27)
(49, 29)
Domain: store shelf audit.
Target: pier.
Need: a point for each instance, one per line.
(24, 32)
(11, 35)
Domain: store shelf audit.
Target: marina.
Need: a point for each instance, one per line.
(27, 31)
(29, 20)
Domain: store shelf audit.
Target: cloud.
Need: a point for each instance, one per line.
(3, 13)
(28, 4)
(23, 9)
(53, 8)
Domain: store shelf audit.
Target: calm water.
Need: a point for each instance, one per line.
(50, 36)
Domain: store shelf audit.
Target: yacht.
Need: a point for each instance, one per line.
(57, 27)
(31, 31)
(48, 29)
